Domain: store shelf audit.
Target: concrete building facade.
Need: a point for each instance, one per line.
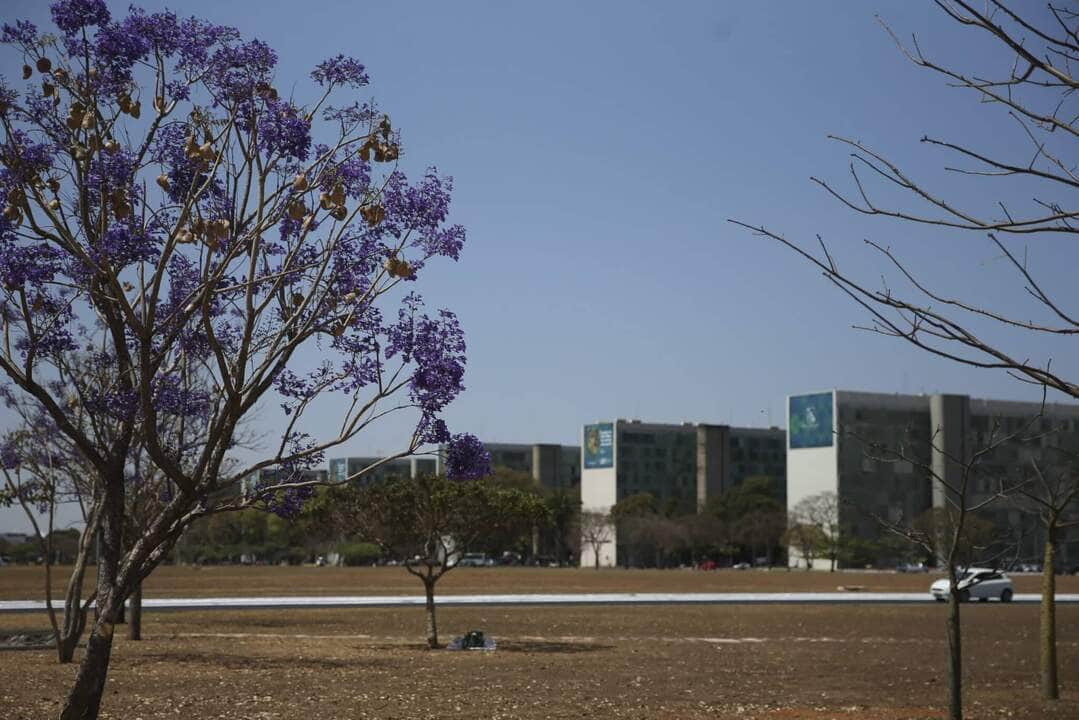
(681, 465)
(836, 441)
(552, 466)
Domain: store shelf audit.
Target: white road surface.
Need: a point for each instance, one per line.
(239, 603)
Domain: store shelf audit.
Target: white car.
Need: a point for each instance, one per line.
(976, 583)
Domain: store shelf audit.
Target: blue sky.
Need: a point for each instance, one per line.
(597, 151)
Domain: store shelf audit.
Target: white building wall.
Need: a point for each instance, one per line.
(599, 493)
(811, 471)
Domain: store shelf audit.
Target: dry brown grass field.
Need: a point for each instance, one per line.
(787, 662)
(867, 662)
(25, 583)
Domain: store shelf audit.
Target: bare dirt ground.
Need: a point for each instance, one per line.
(876, 662)
(27, 583)
(773, 663)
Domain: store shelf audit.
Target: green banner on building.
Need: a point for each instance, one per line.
(599, 445)
(811, 421)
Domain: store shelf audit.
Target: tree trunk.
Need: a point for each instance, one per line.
(595, 554)
(955, 655)
(432, 625)
(134, 620)
(1048, 634)
(84, 699)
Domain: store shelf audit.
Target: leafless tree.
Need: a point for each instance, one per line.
(950, 540)
(595, 532)
(822, 511)
(1036, 92)
(1054, 496)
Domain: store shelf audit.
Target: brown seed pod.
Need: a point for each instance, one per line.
(11, 213)
(136, 110)
(159, 104)
(324, 201)
(206, 151)
(365, 152)
(296, 210)
(47, 88)
(44, 65)
(27, 71)
(53, 184)
(121, 210)
(373, 214)
(54, 204)
(16, 196)
(392, 152)
(87, 121)
(60, 75)
(163, 182)
(124, 102)
(338, 330)
(111, 146)
(74, 120)
(185, 237)
(339, 212)
(299, 183)
(351, 297)
(92, 74)
(337, 194)
(81, 153)
(297, 299)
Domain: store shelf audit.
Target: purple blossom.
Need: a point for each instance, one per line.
(283, 131)
(340, 70)
(22, 32)
(466, 458)
(236, 70)
(71, 16)
(9, 454)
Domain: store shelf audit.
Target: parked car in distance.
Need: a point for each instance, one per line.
(976, 583)
(911, 568)
(741, 566)
(476, 560)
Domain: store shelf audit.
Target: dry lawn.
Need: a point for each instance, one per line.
(25, 583)
(871, 662)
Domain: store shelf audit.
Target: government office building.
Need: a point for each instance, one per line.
(681, 465)
(837, 443)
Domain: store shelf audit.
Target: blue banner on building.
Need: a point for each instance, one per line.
(811, 421)
(599, 445)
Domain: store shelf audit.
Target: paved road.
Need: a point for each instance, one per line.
(238, 603)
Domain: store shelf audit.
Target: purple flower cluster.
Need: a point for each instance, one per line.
(340, 70)
(73, 16)
(466, 458)
(282, 131)
(421, 210)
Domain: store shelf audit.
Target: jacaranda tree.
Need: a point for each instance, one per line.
(177, 246)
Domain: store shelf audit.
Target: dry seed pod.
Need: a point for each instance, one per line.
(16, 196)
(11, 213)
(350, 297)
(87, 121)
(60, 75)
(324, 201)
(163, 182)
(53, 184)
(92, 74)
(297, 299)
(206, 151)
(74, 120)
(54, 204)
(191, 148)
(337, 195)
(122, 210)
(47, 88)
(185, 237)
(296, 210)
(392, 152)
(111, 146)
(159, 104)
(136, 109)
(124, 101)
(299, 184)
(339, 212)
(338, 330)
(81, 153)
(27, 71)
(44, 65)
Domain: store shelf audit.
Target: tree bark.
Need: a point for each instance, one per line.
(84, 699)
(134, 619)
(432, 625)
(1048, 634)
(955, 655)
